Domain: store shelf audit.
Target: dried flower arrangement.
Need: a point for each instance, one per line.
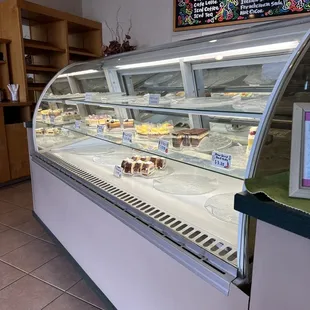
(120, 43)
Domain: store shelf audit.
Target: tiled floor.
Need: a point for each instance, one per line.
(34, 273)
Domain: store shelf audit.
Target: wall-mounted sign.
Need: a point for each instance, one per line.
(193, 14)
(300, 152)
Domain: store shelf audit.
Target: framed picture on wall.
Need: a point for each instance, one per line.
(300, 152)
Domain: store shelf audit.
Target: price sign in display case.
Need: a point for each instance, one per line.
(172, 133)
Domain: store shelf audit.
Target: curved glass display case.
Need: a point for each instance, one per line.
(169, 134)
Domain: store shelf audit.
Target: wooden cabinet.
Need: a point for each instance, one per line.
(16, 137)
(55, 39)
(5, 175)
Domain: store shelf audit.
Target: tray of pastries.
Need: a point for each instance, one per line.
(154, 130)
(188, 137)
(145, 166)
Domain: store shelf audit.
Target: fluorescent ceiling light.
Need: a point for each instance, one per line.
(213, 41)
(150, 64)
(90, 71)
(276, 47)
(246, 51)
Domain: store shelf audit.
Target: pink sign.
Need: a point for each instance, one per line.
(306, 167)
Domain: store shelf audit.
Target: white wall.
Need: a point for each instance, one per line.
(152, 19)
(70, 6)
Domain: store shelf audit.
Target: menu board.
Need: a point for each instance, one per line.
(190, 14)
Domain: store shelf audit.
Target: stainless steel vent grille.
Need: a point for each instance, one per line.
(203, 245)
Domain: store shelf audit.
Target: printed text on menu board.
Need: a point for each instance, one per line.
(191, 13)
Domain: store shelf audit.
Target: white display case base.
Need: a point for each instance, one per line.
(131, 271)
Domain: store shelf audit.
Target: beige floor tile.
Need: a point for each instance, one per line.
(67, 302)
(8, 275)
(24, 186)
(27, 293)
(82, 291)
(32, 227)
(47, 238)
(29, 207)
(6, 207)
(59, 272)
(3, 228)
(16, 196)
(16, 217)
(11, 239)
(32, 255)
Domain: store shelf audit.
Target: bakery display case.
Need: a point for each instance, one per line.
(167, 136)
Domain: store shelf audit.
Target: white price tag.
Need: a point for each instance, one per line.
(154, 99)
(52, 119)
(118, 172)
(77, 125)
(65, 132)
(88, 96)
(163, 146)
(221, 160)
(100, 129)
(127, 137)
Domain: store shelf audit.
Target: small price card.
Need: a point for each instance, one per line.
(77, 125)
(154, 99)
(163, 146)
(221, 160)
(88, 96)
(52, 119)
(100, 129)
(127, 137)
(64, 132)
(118, 172)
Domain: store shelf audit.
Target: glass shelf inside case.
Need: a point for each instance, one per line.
(173, 137)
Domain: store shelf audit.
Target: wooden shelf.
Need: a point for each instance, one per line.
(39, 68)
(15, 104)
(81, 52)
(4, 41)
(2, 62)
(34, 46)
(36, 86)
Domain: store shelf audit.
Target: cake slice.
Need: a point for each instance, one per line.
(147, 168)
(196, 136)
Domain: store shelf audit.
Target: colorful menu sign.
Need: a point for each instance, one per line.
(190, 14)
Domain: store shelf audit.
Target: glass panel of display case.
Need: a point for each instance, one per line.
(246, 89)
(167, 84)
(92, 82)
(275, 157)
(60, 87)
(184, 142)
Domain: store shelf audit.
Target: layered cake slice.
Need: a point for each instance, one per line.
(196, 136)
(188, 137)
(137, 166)
(148, 168)
(128, 123)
